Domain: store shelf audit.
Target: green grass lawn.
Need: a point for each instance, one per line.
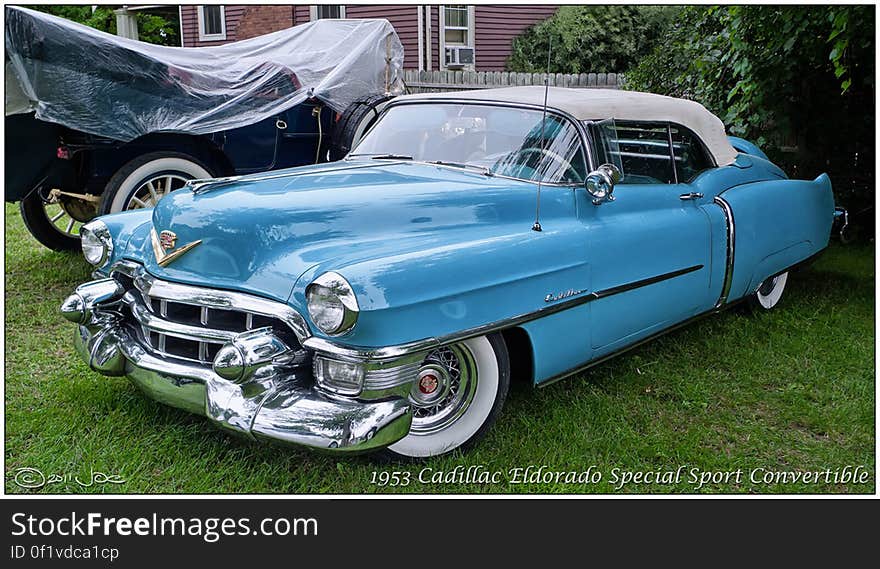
(785, 391)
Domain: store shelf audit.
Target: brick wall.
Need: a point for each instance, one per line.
(190, 23)
(258, 20)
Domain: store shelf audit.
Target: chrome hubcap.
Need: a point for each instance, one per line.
(444, 389)
(154, 189)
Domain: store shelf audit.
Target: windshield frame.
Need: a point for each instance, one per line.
(576, 124)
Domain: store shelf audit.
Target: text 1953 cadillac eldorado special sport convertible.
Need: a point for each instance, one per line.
(378, 302)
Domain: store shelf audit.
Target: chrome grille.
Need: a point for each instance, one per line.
(192, 323)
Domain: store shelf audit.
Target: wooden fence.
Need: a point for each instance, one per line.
(434, 81)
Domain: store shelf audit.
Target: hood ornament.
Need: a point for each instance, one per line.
(163, 246)
(202, 185)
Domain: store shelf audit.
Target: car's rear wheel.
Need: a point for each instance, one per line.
(769, 293)
(459, 393)
(143, 181)
(353, 123)
(55, 219)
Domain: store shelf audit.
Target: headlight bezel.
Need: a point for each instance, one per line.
(330, 287)
(96, 233)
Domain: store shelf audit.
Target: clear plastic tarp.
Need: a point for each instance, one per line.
(122, 89)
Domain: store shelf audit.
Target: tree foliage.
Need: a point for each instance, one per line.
(156, 28)
(797, 80)
(590, 39)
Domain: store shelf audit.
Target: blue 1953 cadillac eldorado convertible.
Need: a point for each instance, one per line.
(376, 303)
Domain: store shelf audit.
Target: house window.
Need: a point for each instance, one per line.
(327, 12)
(212, 22)
(456, 30)
(456, 25)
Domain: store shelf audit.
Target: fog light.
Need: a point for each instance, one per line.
(343, 378)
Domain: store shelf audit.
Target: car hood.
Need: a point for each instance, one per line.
(261, 233)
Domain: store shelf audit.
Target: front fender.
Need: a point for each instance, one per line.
(123, 226)
(464, 282)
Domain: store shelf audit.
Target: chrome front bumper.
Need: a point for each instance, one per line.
(275, 404)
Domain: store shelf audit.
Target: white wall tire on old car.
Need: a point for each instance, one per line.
(457, 397)
(143, 181)
(770, 291)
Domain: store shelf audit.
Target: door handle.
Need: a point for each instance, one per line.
(690, 196)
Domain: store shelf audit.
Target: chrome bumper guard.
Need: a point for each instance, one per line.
(276, 403)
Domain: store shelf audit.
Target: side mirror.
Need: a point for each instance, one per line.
(601, 181)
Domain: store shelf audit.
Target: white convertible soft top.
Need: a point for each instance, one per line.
(599, 104)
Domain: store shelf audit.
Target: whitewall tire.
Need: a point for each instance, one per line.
(770, 292)
(456, 398)
(145, 180)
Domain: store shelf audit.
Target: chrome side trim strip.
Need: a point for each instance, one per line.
(327, 347)
(731, 242)
(645, 282)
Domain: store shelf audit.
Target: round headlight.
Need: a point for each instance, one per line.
(97, 244)
(332, 304)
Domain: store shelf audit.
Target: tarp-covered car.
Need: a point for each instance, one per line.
(97, 123)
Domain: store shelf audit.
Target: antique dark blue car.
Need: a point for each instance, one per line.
(95, 135)
(385, 301)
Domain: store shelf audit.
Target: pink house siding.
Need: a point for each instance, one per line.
(495, 26)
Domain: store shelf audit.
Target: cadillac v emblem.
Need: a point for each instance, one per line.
(163, 246)
(167, 239)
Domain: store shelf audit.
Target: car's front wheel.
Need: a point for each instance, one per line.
(459, 393)
(55, 219)
(143, 181)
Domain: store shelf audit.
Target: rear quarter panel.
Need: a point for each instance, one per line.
(778, 223)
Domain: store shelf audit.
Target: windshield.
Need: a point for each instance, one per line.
(500, 140)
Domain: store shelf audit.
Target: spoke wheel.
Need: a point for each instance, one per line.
(456, 397)
(447, 383)
(56, 222)
(155, 188)
(145, 180)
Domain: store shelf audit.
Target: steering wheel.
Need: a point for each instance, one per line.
(565, 164)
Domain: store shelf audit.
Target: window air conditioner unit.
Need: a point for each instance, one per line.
(458, 57)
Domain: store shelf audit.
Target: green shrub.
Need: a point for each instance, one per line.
(796, 80)
(162, 28)
(588, 39)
